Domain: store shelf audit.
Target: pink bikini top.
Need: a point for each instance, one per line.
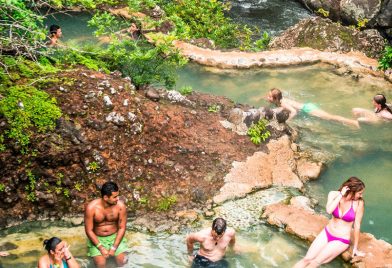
(348, 217)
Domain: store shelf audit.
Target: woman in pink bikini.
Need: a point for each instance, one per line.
(346, 207)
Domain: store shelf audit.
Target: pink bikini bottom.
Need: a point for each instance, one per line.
(334, 238)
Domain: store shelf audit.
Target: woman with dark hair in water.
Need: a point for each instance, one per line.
(347, 207)
(381, 111)
(58, 255)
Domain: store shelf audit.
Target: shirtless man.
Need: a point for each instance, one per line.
(105, 222)
(55, 34)
(213, 244)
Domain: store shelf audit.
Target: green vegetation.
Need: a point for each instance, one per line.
(214, 108)
(30, 187)
(93, 167)
(187, 90)
(362, 23)
(323, 12)
(385, 62)
(2, 187)
(166, 203)
(258, 132)
(27, 109)
(202, 19)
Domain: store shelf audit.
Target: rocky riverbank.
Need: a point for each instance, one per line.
(146, 141)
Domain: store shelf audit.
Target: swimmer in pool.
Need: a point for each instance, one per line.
(347, 207)
(381, 111)
(275, 96)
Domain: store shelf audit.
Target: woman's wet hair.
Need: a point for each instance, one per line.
(276, 95)
(354, 184)
(219, 226)
(50, 244)
(380, 99)
(108, 188)
(53, 29)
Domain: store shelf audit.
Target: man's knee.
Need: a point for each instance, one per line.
(121, 259)
(100, 261)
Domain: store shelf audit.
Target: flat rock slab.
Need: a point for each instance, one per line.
(307, 225)
(261, 170)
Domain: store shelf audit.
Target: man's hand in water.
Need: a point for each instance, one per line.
(4, 253)
(112, 251)
(104, 251)
(191, 258)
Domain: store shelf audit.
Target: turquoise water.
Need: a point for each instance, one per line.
(365, 153)
(259, 246)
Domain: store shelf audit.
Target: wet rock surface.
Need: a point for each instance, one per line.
(276, 166)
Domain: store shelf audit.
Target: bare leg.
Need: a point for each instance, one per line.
(314, 250)
(330, 252)
(337, 118)
(100, 261)
(121, 259)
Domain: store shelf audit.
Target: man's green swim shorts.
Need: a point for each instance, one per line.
(308, 107)
(107, 242)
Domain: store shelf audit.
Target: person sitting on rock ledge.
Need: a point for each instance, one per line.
(213, 243)
(381, 111)
(275, 97)
(347, 207)
(58, 255)
(105, 222)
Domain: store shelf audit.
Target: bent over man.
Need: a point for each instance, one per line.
(213, 244)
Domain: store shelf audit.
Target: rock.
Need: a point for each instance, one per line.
(115, 118)
(152, 94)
(8, 246)
(113, 91)
(203, 42)
(199, 195)
(251, 117)
(125, 102)
(235, 116)
(190, 215)
(302, 202)
(261, 170)
(209, 213)
(281, 115)
(323, 34)
(107, 102)
(308, 170)
(131, 117)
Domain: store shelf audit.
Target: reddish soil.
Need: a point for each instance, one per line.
(182, 151)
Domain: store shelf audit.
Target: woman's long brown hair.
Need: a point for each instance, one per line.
(354, 184)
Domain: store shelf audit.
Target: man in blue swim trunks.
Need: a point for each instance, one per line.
(213, 243)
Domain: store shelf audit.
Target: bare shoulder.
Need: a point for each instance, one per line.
(230, 232)
(43, 262)
(92, 205)
(121, 205)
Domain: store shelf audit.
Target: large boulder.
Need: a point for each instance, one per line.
(323, 34)
(374, 13)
